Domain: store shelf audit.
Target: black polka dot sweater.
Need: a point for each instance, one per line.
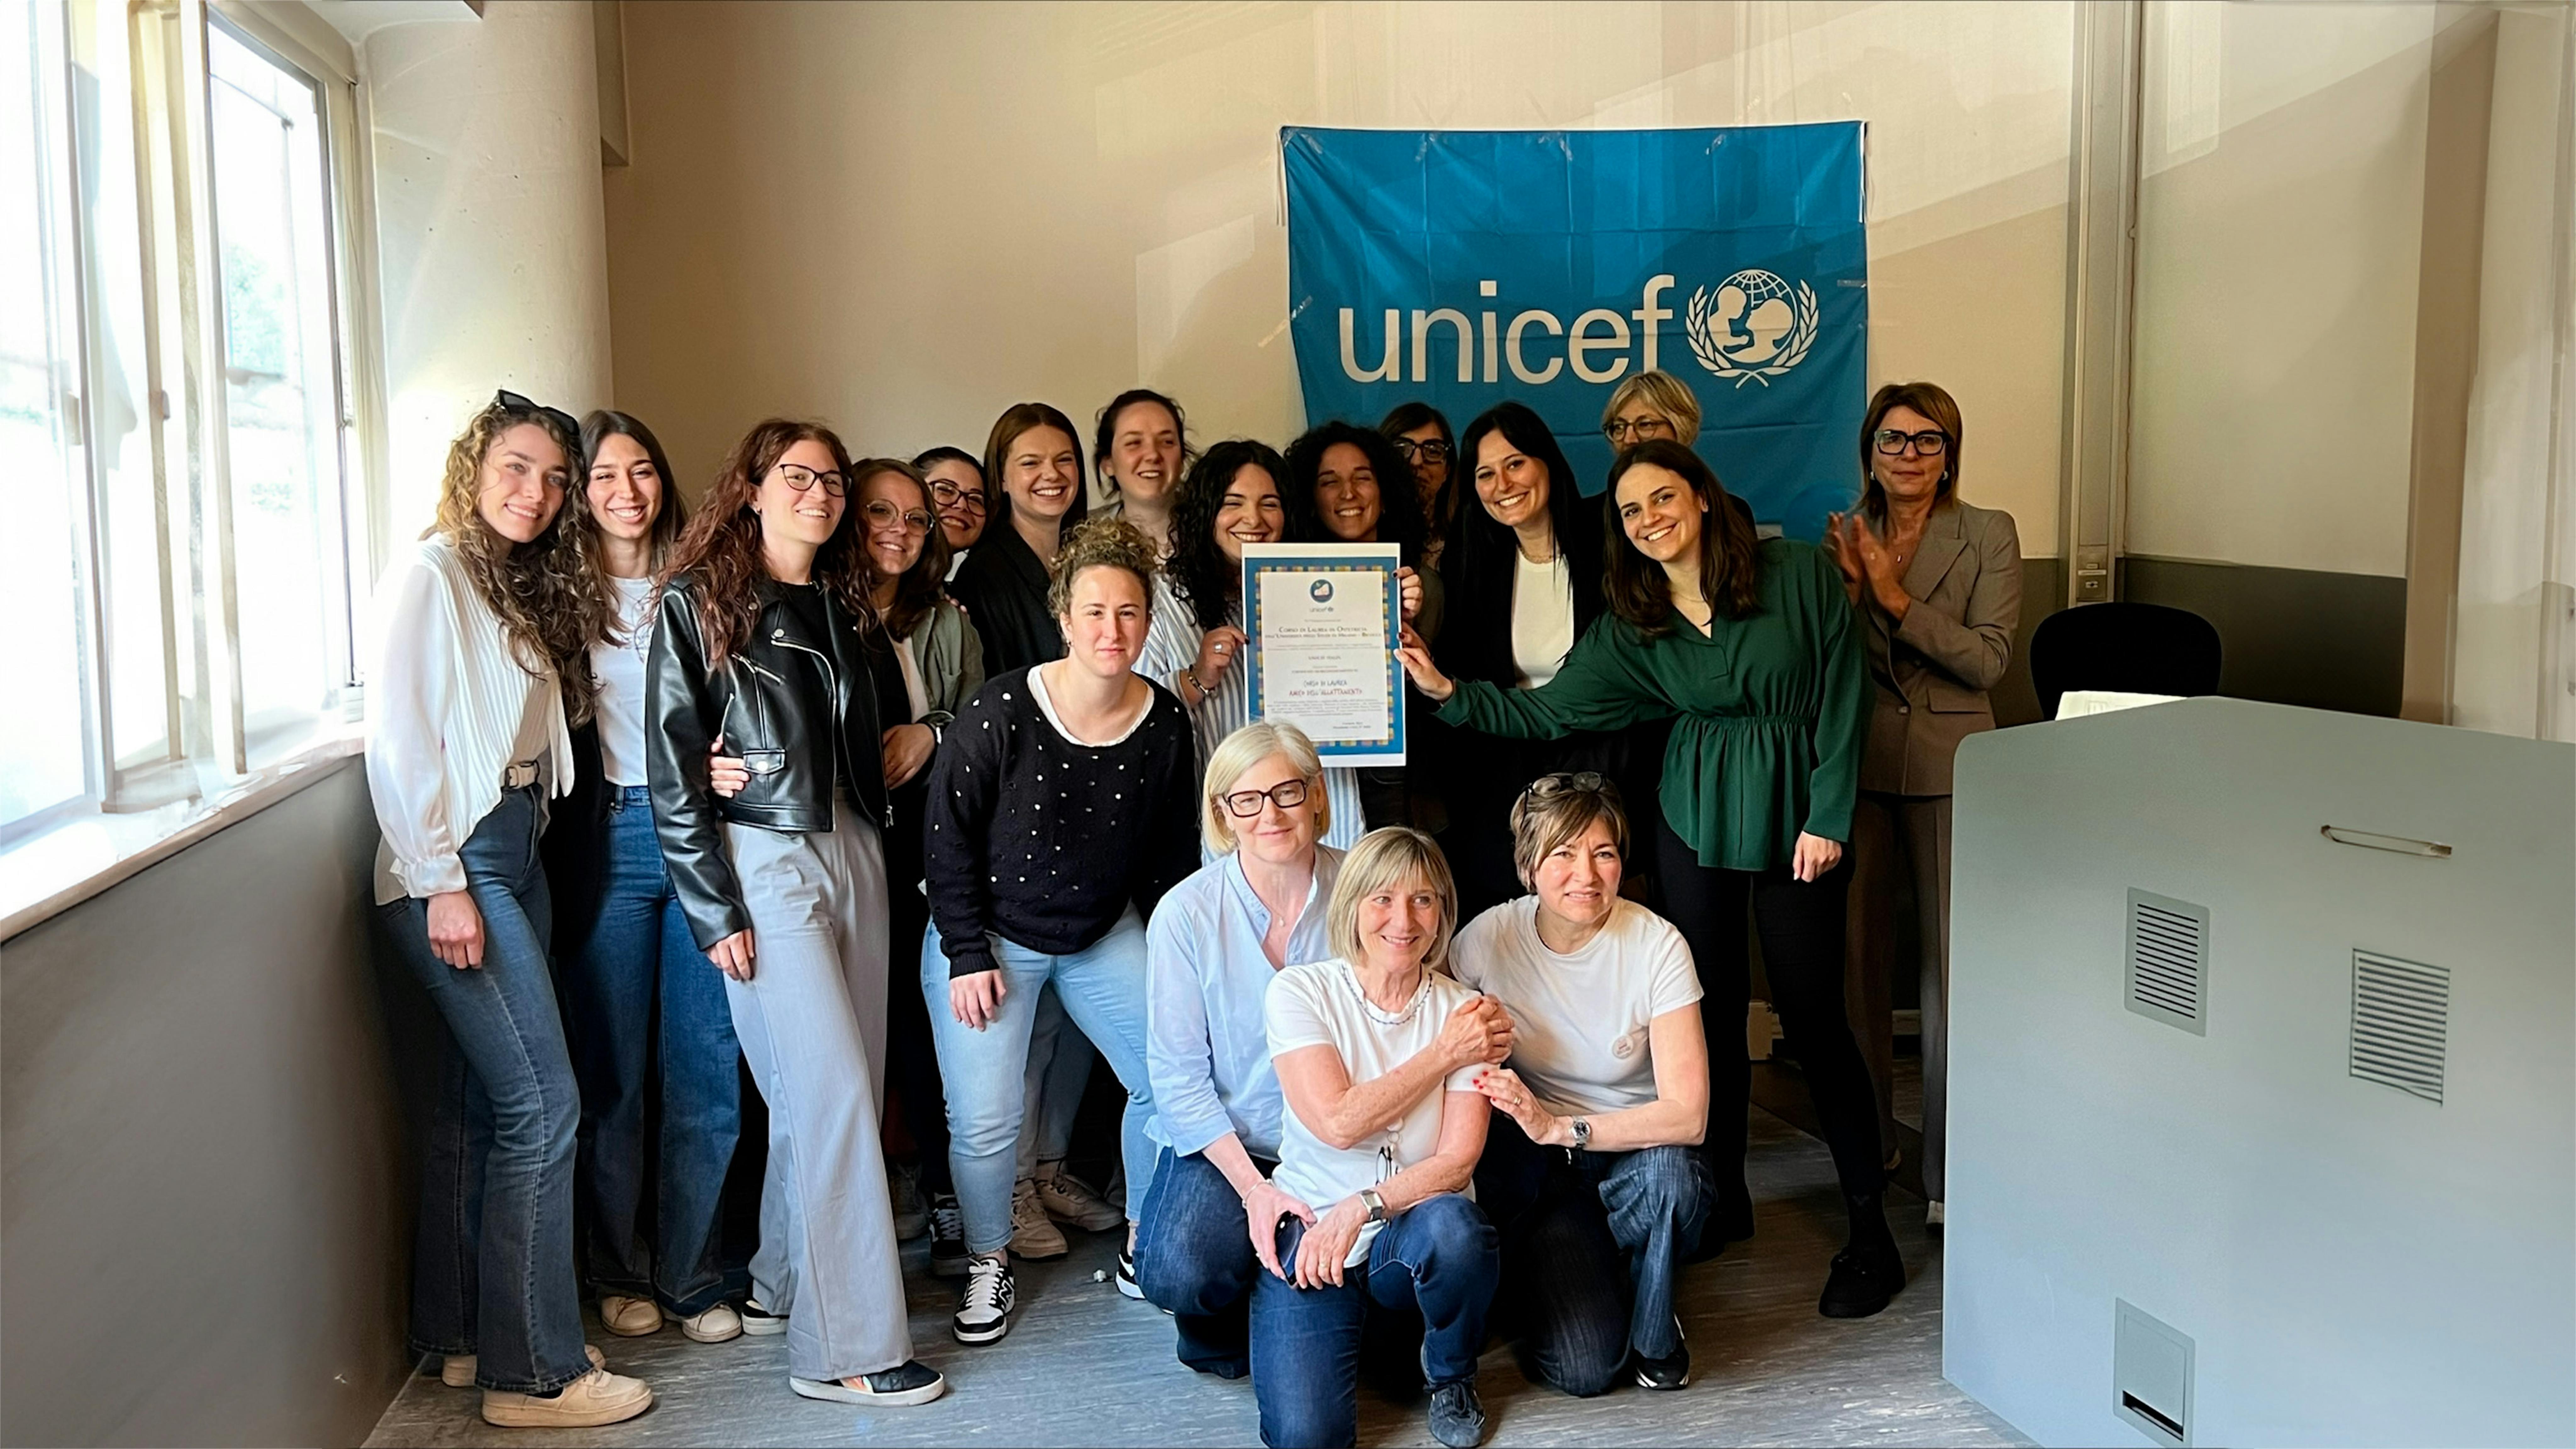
(1045, 842)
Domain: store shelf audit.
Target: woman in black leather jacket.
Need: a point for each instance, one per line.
(761, 639)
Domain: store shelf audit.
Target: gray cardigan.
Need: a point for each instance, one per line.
(950, 656)
(1931, 672)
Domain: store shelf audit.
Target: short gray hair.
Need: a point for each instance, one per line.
(1395, 856)
(1242, 750)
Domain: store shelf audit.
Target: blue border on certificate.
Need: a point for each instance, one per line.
(1332, 558)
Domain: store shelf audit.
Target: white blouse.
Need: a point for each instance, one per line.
(446, 704)
(1542, 616)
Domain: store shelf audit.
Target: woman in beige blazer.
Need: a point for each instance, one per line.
(1938, 586)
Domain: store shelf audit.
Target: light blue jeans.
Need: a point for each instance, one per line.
(1103, 990)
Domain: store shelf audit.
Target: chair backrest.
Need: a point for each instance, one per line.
(2134, 648)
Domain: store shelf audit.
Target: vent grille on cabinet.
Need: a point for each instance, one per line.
(2401, 1016)
(2168, 960)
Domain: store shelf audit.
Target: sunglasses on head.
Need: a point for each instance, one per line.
(510, 401)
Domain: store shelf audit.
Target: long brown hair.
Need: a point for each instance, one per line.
(1021, 418)
(917, 591)
(551, 608)
(1730, 553)
(720, 550)
(1932, 401)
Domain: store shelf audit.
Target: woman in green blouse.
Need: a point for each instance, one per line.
(1750, 646)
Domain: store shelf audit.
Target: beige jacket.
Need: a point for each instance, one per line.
(1932, 671)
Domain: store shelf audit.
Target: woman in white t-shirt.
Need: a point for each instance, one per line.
(1593, 1182)
(1378, 1055)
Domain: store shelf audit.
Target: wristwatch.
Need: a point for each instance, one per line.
(1581, 1127)
(1376, 1205)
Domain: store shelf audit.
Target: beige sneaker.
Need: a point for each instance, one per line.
(457, 1372)
(719, 1324)
(630, 1317)
(1033, 1233)
(597, 1397)
(1068, 1199)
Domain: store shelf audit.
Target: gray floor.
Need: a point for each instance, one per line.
(1085, 1366)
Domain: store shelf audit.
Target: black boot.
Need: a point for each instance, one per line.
(1868, 1271)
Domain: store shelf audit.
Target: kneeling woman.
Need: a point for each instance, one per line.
(760, 639)
(1593, 1182)
(1378, 1056)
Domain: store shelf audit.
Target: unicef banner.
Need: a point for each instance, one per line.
(1464, 267)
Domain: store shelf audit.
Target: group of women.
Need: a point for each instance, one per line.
(1409, 1055)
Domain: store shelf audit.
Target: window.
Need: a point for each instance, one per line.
(178, 447)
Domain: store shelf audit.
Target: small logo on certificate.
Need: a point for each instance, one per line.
(1322, 592)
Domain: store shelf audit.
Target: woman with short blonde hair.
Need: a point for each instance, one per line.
(1653, 404)
(1378, 1056)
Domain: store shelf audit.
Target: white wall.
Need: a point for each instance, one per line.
(2279, 234)
(493, 254)
(901, 217)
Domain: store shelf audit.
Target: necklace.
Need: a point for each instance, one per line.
(1412, 1009)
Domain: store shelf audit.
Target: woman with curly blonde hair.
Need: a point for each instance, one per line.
(1062, 810)
(486, 633)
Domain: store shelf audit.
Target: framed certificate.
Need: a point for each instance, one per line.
(1324, 619)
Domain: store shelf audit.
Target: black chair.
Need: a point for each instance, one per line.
(2133, 648)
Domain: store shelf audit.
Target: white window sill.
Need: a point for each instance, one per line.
(47, 874)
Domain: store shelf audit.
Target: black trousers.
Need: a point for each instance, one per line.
(1802, 955)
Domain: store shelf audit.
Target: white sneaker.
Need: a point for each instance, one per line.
(597, 1397)
(719, 1324)
(759, 1322)
(1033, 1233)
(1068, 1199)
(984, 1310)
(457, 1369)
(629, 1317)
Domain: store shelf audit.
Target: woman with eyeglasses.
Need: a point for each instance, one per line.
(1139, 449)
(1214, 945)
(1060, 813)
(1422, 436)
(1034, 460)
(1378, 1052)
(762, 640)
(637, 992)
(1648, 406)
(959, 495)
(486, 631)
(1231, 499)
(1938, 585)
(1750, 647)
(1524, 568)
(1594, 1176)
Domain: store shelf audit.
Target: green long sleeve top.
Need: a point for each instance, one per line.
(1773, 710)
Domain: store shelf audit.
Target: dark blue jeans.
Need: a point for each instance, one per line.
(1438, 1258)
(1593, 1244)
(492, 1263)
(1194, 1260)
(640, 955)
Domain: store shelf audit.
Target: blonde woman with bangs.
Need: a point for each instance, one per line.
(1214, 945)
(1378, 1055)
(487, 628)
(1650, 405)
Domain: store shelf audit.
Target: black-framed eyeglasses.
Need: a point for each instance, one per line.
(881, 514)
(513, 402)
(1929, 444)
(801, 478)
(1422, 450)
(1287, 795)
(1623, 431)
(949, 495)
(1567, 782)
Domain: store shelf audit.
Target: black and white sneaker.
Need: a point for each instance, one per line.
(759, 1322)
(984, 1313)
(1127, 1275)
(912, 1382)
(947, 1236)
(1672, 1371)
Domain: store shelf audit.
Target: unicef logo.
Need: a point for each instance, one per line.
(1321, 592)
(1752, 326)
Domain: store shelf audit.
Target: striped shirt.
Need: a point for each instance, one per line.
(1172, 647)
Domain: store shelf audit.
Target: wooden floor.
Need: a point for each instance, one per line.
(1085, 1366)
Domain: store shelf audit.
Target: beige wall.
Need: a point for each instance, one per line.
(902, 217)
